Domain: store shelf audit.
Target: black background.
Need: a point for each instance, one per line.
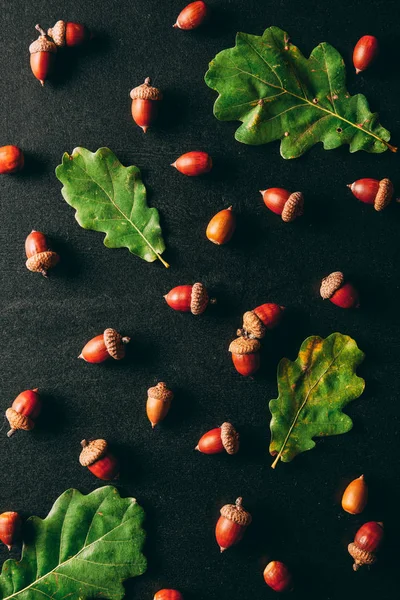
(44, 323)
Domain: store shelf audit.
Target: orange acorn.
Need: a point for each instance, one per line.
(159, 400)
(221, 227)
(11, 159)
(355, 496)
(10, 528)
(168, 595)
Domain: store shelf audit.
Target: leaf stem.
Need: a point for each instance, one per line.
(164, 262)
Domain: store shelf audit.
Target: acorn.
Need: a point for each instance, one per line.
(159, 400)
(193, 163)
(373, 191)
(281, 202)
(10, 528)
(278, 577)
(334, 288)
(189, 298)
(167, 594)
(145, 99)
(192, 16)
(257, 321)
(245, 355)
(69, 34)
(109, 344)
(11, 159)
(24, 411)
(355, 496)
(231, 525)
(221, 227)
(43, 53)
(365, 52)
(367, 542)
(220, 439)
(99, 460)
(40, 258)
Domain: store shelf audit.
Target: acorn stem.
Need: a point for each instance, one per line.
(40, 30)
(147, 81)
(126, 340)
(84, 443)
(11, 432)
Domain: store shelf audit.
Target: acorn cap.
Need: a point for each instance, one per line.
(115, 343)
(361, 557)
(146, 91)
(293, 207)
(42, 262)
(160, 392)
(58, 33)
(18, 421)
(229, 438)
(331, 284)
(43, 44)
(236, 513)
(198, 299)
(92, 451)
(252, 325)
(384, 195)
(244, 346)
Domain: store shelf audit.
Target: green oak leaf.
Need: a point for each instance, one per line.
(313, 390)
(111, 198)
(278, 94)
(85, 548)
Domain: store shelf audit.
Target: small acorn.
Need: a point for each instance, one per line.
(40, 258)
(367, 542)
(373, 191)
(220, 439)
(192, 16)
(43, 53)
(24, 411)
(221, 227)
(334, 288)
(145, 103)
(10, 528)
(257, 321)
(189, 298)
(365, 52)
(193, 163)
(355, 496)
(96, 456)
(168, 595)
(231, 525)
(278, 577)
(245, 355)
(69, 34)
(159, 400)
(11, 159)
(109, 344)
(281, 202)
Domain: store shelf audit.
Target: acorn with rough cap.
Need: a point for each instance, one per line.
(10, 528)
(232, 524)
(367, 542)
(109, 344)
(281, 202)
(43, 54)
(68, 34)
(220, 439)
(96, 456)
(24, 411)
(339, 292)
(40, 258)
(257, 321)
(159, 400)
(245, 355)
(145, 103)
(373, 191)
(189, 298)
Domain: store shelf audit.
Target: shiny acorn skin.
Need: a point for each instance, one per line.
(109, 344)
(42, 56)
(189, 298)
(365, 52)
(10, 528)
(221, 227)
(289, 205)
(159, 398)
(145, 104)
(168, 594)
(278, 577)
(367, 542)
(24, 411)
(338, 291)
(377, 192)
(69, 34)
(218, 440)
(270, 314)
(96, 456)
(40, 258)
(246, 364)
(355, 496)
(231, 525)
(11, 159)
(192, 16)
(193, 163)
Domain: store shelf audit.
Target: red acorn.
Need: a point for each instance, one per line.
(231, 525)
(193, 163)
(43, 54)
(145, 99)
(220, 439)
(373, 191)
(365, 52)
(168, 595)
(24, 410)
(109, 344)
(281, 202)
(193, 15)
(10, 528)
(278, 577)
(40, 258)
(367, 542)
(189, 298)
(99, 460)
(11, 159)
(245, 355)
(342, 294)
(255, 322)
(69, 34)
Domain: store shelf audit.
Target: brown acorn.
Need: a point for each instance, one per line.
(245, 355)
(232, 524)
(145, 99)
(68, 34)
(367, 542)
(96, 456)
(355, 496)
(43, 53)
(221, 227)
(40, 258)
(109, 344)
(159, 400)
(10, 528)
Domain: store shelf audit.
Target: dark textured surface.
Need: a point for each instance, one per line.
(44, 324)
